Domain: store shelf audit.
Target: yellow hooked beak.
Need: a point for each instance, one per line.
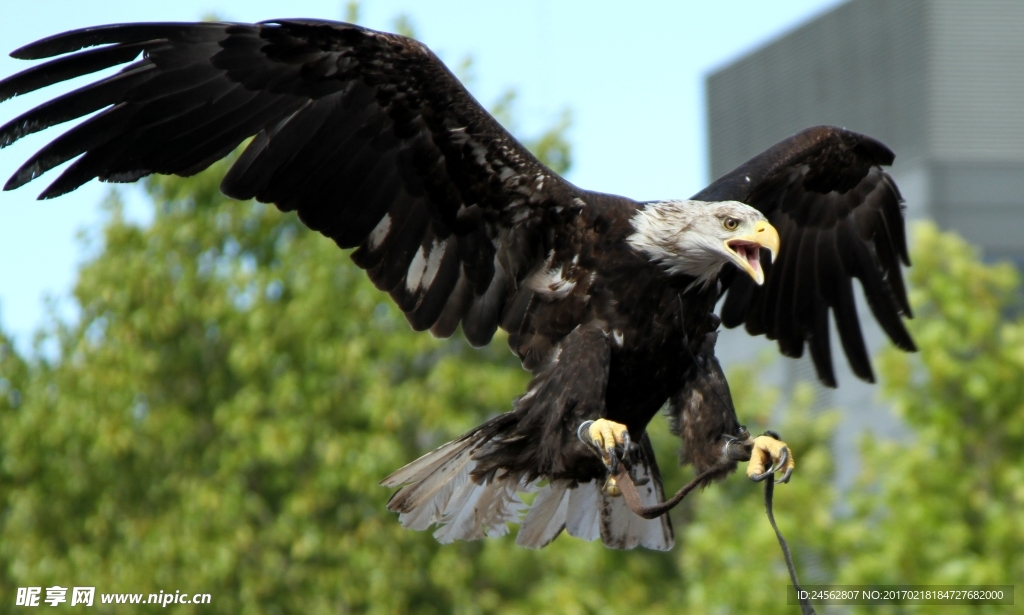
(746, 250)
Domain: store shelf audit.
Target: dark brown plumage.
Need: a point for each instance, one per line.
(374, 143)
(840, 217)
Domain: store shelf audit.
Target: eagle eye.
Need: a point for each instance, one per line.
(731, 224)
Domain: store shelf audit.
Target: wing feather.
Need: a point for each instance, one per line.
(73, 105)
(840, 218)
(366, 135)
(69, 67)
(433, 299)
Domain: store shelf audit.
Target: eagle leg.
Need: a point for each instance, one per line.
(770, 449)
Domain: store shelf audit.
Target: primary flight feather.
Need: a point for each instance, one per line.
(607, 301)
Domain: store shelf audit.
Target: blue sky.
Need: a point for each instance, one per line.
(631, 73)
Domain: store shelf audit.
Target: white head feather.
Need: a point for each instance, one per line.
(694, 238)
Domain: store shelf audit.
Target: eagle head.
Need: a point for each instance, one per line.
(697, 238)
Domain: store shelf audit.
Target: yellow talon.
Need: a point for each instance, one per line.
(770, 456)
(605, 435)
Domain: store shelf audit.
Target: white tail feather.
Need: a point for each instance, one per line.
(439, 489)
(591, 515)
(431, 481)
(480, 510)
(584, 506)
(429, 508)
(546, 518)
(425, 464)
(621, 528)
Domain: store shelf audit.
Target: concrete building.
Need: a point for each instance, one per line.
(941, 82)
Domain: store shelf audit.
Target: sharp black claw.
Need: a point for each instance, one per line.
(785, 477)
(582, 429)
(783, 458)
(773, 434)
(585, 439)
(778, 465)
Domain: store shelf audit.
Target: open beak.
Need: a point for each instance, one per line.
(746, 250)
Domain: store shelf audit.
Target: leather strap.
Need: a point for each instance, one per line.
(625, 484)
(629, 492)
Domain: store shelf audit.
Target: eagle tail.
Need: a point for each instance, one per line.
(439, 489)
(547, 515)
(585, 511)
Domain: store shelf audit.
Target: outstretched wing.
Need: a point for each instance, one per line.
(366, 135)
(839, 217)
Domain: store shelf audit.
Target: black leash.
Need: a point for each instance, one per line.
(805, 604)
(629, 492)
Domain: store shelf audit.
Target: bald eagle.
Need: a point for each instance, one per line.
(608, 302)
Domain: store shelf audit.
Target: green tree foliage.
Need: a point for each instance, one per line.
(219, 417)
(948, 508)
(218, 420)
(944, 507)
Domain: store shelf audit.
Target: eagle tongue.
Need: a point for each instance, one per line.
(752, 252)
(749, 251)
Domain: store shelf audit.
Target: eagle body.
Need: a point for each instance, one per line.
(603, 298)
(609, 303)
